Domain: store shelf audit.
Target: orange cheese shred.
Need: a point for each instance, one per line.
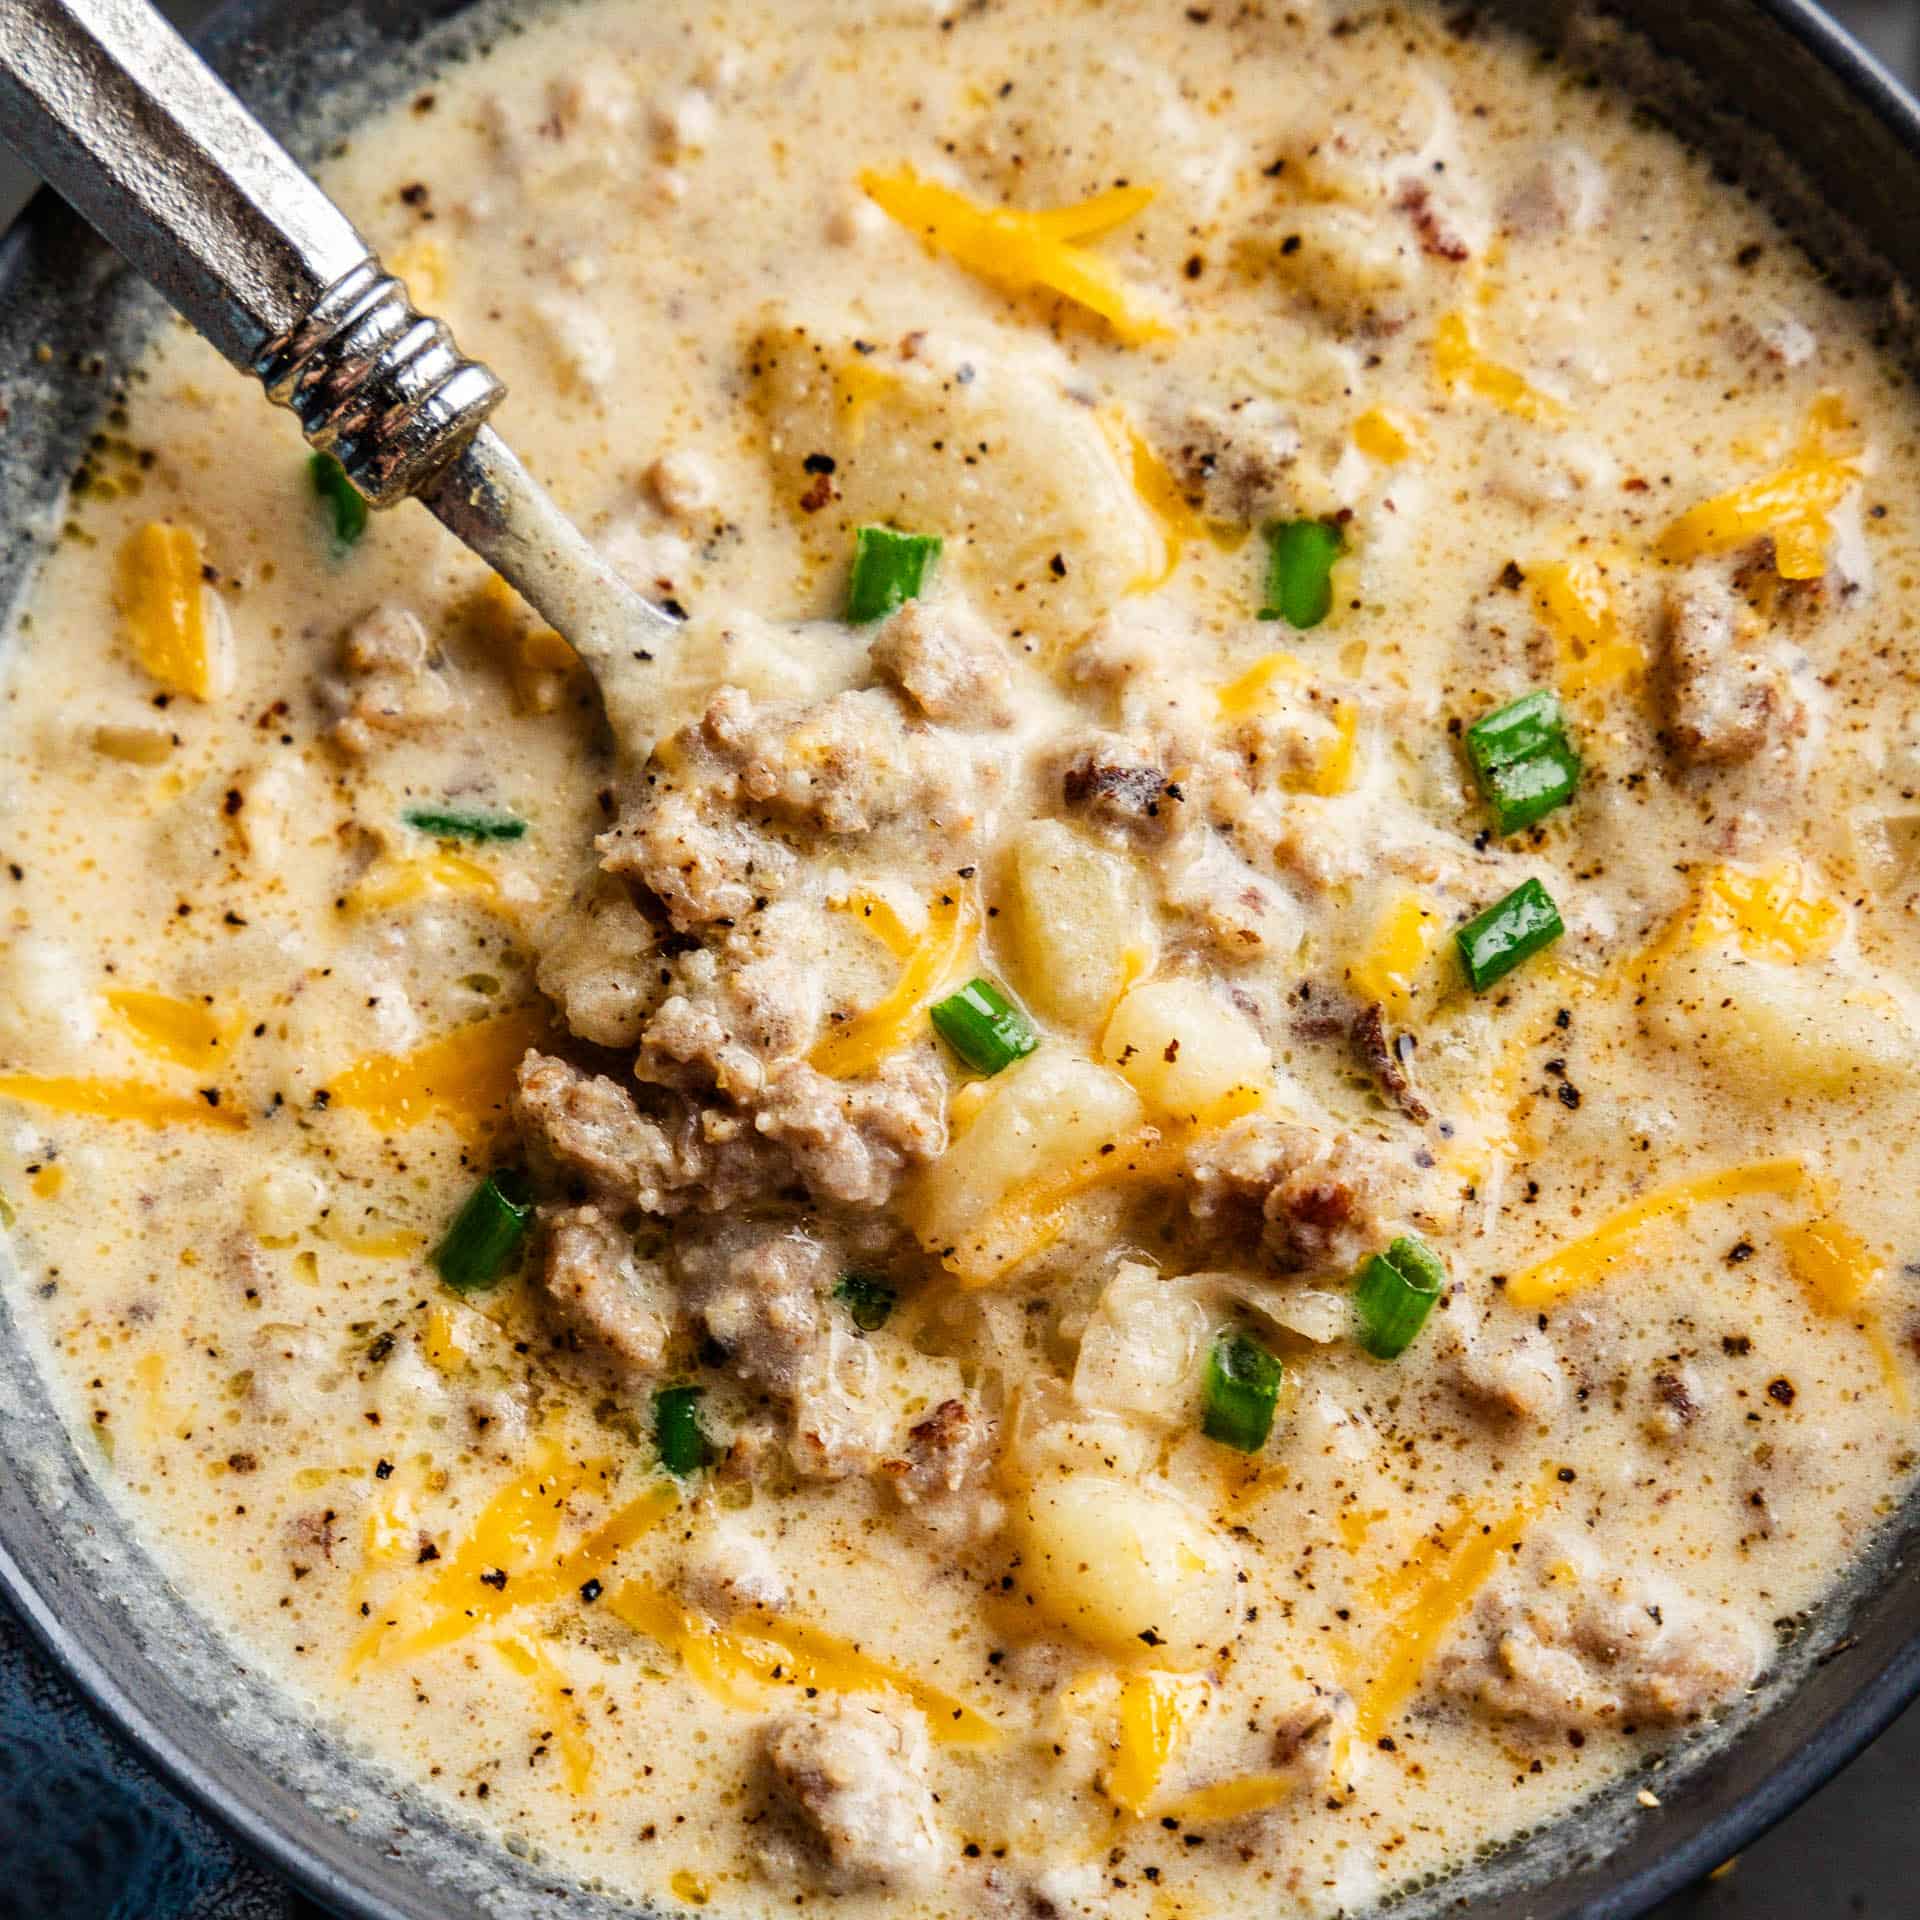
(1435, 1598)
(1832, 1262)
(465, 1077)
(555, 1694)
(1024, 251)
(1595, 1256)
(766, 1653)
(1156, 1710)
(1575, 602)
(1458, 362)
(1792, 506)
(935, 958)
(122, 1100)
(163, 603)
(187, 1032)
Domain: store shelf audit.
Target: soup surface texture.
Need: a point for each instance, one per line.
(1198, 1199)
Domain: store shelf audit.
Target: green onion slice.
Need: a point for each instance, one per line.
(345, 508)
(1300, 557)
(1530, 789)
(868, 1301)
(465, 826)
(1396, 1292)
(1495, 942)
(889, 568)
(677, 1433)
(1523, 760)
(486, 1232)
(984, 1027)
(1243, 1382)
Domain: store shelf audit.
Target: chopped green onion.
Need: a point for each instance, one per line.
(1517, 730)
(1523, 760)
(1300, 557)
(486, 1232)
(889, 569)
(677, 1433)
(984, 1027)
(1530, 789)
(1243, 1382)
(868, 1301)
(1395, 1294)
(465, 826)
(1493, 943)
(345, 507)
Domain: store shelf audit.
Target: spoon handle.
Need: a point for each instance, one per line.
(124, 120)
(129, 126)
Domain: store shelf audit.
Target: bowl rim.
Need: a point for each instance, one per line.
(230, 34)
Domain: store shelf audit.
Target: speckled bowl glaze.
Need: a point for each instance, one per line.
(1802, 118)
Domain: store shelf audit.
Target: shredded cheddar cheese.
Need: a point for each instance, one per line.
(1457, 362)
(1387, 436)
(1840, 1272)
(1594, 1256)
(464, 1078)
(421, 263)
(1576, 605)
(1771, 915)
(1025, 251)
(1179, 524)
(538, 659)
(742, 1665)
(445, 1342)
(163, 601)
(1229, 1799)
(937, 957)
(433, 876)
(1405, 937)
(1793, 506)
(568, 1732)
(1832, 1262)
(1247, 694)
(1156, 1711)
(1436, 1597)
(1332, 770)
(123, 1100)
(396, 1243)
(516, 1535)
(1029, 1219)
(187, 1032)
(881, 918)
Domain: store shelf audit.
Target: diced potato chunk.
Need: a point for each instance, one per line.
(1073, 913)
(1042, 1116)
(1186, 1051)
(1775, 1028)
(1140, 1354)
(1131, 1570)
(982, 447)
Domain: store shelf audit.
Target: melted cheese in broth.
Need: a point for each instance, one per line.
(327, 894)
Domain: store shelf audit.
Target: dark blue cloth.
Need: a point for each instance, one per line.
(85, 1834)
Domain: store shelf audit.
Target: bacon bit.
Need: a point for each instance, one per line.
(1381, 1059)
(1416, 201)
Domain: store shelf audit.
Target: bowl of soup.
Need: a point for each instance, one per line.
(1197, 1194)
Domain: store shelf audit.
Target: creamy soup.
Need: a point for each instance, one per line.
(1197, 1193)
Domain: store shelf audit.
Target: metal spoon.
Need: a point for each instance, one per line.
(125, 122)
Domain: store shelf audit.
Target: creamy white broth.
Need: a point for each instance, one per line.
(903, 1642)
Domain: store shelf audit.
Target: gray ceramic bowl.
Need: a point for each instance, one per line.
(1777, 94)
